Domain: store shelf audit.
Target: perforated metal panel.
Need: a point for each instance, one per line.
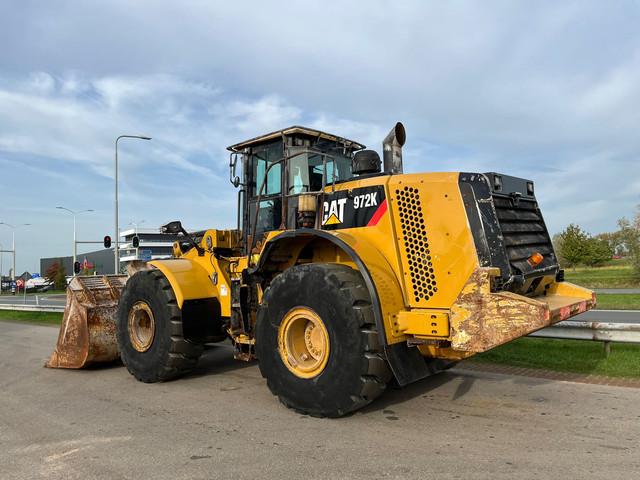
(416, 244)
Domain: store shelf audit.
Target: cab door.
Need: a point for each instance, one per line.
(264, 173)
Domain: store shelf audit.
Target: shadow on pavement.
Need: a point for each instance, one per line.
(218, 358)
(394, 396)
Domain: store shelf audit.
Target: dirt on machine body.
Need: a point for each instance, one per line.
(342, 275)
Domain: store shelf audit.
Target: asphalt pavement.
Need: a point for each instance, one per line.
(221, 422)
(30, 299)
(609, 316)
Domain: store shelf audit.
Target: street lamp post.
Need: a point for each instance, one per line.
(117, 227)
(13, 244)
(135, 225)
(75, 243)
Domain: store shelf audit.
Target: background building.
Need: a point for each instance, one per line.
(100, 260)
(153, 245)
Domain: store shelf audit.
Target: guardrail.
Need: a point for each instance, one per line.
(596, 331)
(32, 308)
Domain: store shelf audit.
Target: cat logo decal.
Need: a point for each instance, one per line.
(333, 211)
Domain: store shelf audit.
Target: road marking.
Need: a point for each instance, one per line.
(58, 456)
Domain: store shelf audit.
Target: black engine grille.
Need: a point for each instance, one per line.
(524, 232)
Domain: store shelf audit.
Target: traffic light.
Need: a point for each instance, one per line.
(107, 241)
(76, 267)
(135, 241)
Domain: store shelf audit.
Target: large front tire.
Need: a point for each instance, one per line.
(149, 330)
(317, 343)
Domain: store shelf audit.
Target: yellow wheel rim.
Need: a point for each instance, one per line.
(303, 342)
(142, 326)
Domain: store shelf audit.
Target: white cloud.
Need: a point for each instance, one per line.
(41, 83)
(254, 117)
(549, 91)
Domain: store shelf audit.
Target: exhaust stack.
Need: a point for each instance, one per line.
(392, 149)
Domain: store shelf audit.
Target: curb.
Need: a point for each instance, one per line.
(550, 375)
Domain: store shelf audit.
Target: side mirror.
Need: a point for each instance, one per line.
(172, 227)
(233, 161)
(365, 161)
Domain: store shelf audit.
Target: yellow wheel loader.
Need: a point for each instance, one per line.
(342, 275)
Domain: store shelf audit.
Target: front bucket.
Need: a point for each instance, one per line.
(88, 330)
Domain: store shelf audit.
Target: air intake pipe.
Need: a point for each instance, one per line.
(392, 149)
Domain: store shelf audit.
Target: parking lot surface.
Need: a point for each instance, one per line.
(222, 422)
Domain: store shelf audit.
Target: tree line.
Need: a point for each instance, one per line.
(576, 247)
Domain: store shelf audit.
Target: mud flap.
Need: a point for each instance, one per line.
(407, 363)
(88, 331)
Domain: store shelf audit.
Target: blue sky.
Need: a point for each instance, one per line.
(545, 90)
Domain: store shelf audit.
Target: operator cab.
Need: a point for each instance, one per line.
(279, 167)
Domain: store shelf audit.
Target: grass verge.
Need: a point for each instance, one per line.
(618, 301)
(577, 356)
(39, 318)
(621, 276)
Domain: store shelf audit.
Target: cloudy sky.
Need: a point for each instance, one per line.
(545, 90)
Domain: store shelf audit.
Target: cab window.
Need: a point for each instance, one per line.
(306, 170)
(262, 159)
(269, 215)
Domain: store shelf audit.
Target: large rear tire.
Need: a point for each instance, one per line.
(317, 343)
(149, 330)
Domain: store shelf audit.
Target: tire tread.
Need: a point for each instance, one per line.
(182, 355)
(374, 370)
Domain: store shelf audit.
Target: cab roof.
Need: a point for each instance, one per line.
(238, 147)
